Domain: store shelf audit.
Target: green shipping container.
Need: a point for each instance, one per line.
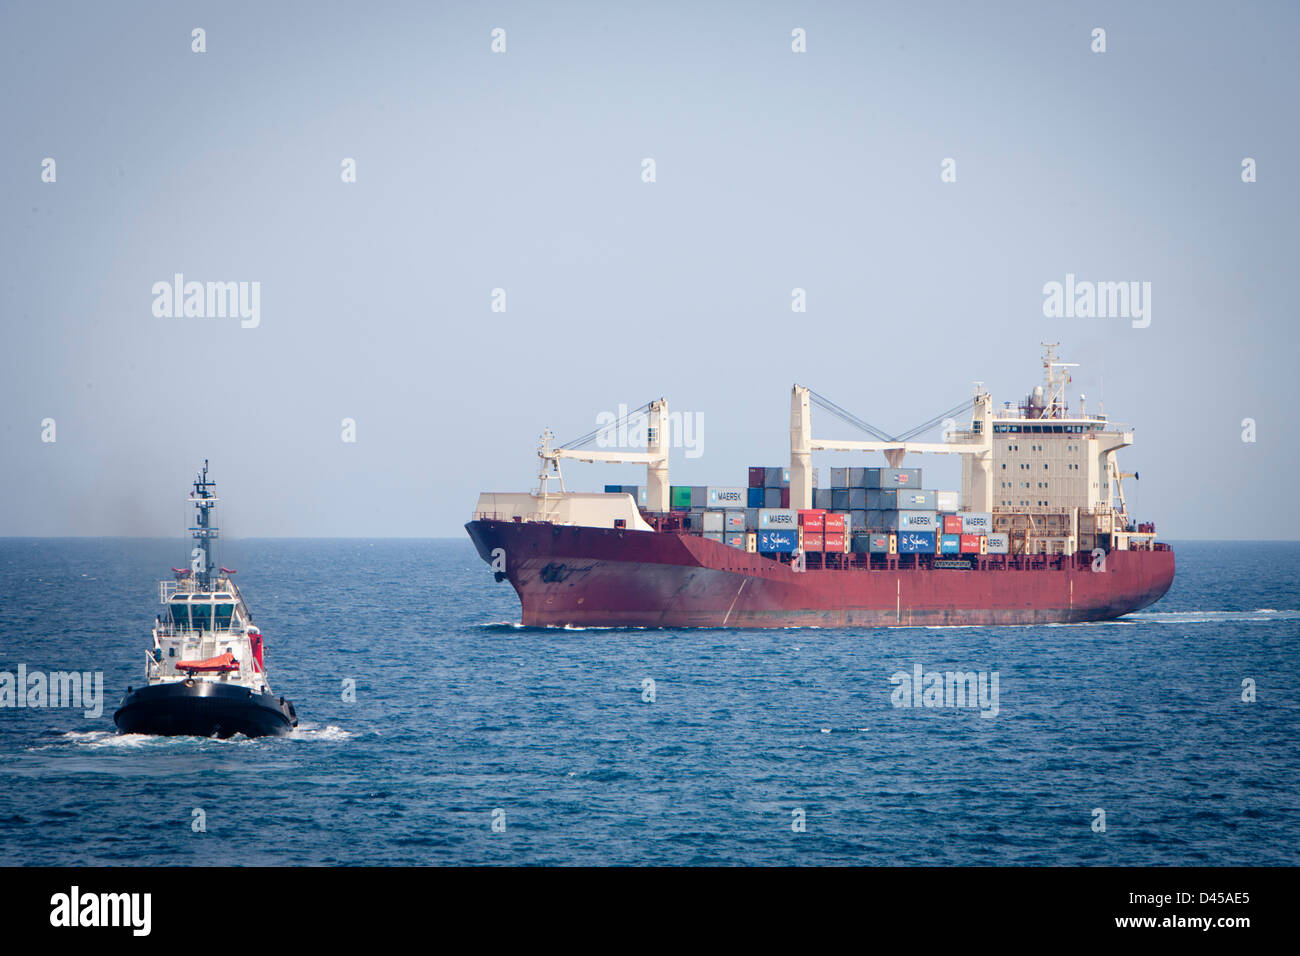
(681, 495)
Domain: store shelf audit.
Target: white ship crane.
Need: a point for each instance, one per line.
(655, 457)
(976, 443)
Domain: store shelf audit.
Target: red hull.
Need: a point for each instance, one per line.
(598, 577)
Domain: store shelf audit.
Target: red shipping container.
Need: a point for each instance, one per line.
(812, 519)
(813, 542)
(952, 524)
(834, 541)
(785, 497)
(834, 522)
(970, 544)
(756, 476)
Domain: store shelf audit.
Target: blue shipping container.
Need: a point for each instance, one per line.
(756, 498)
(778, 542)
(916, 542)
(950, 544)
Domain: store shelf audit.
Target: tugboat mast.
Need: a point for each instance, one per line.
(205, 532)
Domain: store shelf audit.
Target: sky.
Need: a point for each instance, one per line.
(523, 171)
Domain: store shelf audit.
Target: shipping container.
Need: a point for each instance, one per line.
(680, 496)
(699, 496)
(785, 497)
(972, 543)
(776, 477)
(781, 541)
(833, 541)
(755, 497)
(840, 499)
(733, 521)
(907, 499)
(860, 542)
(812, 520)
(911, 521)
(770, 518)
(871, 478)
(751, 519)
(772, 498)
(976, 522)
(757, 476)
(835, 522)
(712, 521)
(812, 541)
(947, 500)
(900, 478)
(999, 543)
(952, 524)
(882, 543)
(636, 491)
(858, 521)
(822, 499)
(713, 536)
(950, 544)
(857, 478)
(734, 539)
(873, 499)
(857, 499)
(875, 521)
(839, 477)
(727, 497)
(916, 542)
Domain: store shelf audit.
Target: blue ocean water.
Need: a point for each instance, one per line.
(459, 713)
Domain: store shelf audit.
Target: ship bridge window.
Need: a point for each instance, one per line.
(180, 614)
(201, 615)
(223, 615)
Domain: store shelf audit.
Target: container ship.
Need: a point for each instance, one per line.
(1039, 532)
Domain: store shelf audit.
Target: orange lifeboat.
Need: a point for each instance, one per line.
(218, 665)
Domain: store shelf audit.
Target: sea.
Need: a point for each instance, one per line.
(436, 731)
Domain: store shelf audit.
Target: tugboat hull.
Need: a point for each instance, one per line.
(198, 708)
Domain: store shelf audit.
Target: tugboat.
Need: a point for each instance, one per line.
(204, 675)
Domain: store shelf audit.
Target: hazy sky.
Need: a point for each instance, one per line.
(523, 171)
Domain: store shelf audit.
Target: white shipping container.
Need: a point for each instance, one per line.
(947, 500)
(777, 518)
(999, 543)
(911, 520)
(728, 497)
(712, 521)
(976, 522)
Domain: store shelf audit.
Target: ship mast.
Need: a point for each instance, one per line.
(1057, 379)
(205, 531)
